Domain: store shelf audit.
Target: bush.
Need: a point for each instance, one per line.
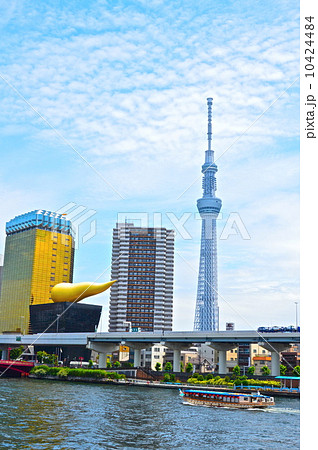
(209, 376)
(172, 377)
(195, 375)
(126, 365)
(80, 373)
(166, 378)
(45, 368)
(53, 370)
(63, 373)
(200, 378)
(39, 372)
(88, 373)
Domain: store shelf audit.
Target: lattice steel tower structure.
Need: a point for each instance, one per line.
(207, 311)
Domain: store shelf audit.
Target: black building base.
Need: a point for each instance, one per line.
(64, 317)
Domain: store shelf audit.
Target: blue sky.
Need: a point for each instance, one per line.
(125, 84)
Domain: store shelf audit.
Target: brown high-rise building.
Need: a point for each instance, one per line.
(142, 262)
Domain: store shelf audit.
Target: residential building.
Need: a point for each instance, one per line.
(39, 253)
(243, 356)
(142, 264)
(291, 358)
(231, 359)
(261, 361)
(153, 355)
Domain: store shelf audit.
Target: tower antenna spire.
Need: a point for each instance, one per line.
(210, 102)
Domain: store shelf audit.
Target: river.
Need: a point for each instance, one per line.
(60, 415)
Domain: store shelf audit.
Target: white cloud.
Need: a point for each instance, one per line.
(127, 88)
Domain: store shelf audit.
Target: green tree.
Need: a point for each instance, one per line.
(46, 358)
(181, 366)
(158, 367)
(166, 378)
(282, 369)
(126, 365)
(117, 364)
(265, 370)
(15, 353)
(90, 363)
(172, 377)
(189, 367)
(109, 365)
(296, 371)
(168, 366)
(251, 370)
(237, 370)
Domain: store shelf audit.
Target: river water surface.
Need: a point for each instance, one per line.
(42, 414)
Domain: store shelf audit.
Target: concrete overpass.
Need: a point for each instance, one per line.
(105, 343)
(222, 341)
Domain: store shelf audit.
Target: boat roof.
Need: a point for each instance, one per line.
(287, 378)
(230, 394)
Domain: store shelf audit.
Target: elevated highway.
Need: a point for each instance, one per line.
(105, 343)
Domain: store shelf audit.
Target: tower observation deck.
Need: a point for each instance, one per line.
(209, 206)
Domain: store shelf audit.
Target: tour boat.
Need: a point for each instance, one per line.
(229, 399)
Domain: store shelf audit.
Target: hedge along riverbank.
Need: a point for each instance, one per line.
(67, 373)
(227, 382)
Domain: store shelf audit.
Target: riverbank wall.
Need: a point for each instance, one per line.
(157, 384)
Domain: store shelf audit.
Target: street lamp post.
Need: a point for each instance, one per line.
(22, 323)
(296, 304)
(57, 322)
(57, 330)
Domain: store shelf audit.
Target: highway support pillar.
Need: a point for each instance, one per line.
(103, 349)
(137, 347)
(4, 353)
(275, 349)
(222, 349)
(177, 349)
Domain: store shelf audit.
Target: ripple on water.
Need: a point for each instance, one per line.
(40, 414)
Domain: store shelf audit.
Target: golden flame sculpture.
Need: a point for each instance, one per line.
(74, 292)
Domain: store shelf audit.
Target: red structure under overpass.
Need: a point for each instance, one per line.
(11, 368)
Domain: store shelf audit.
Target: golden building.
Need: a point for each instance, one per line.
(39, 253)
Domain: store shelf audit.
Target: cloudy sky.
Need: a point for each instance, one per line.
(103, 105)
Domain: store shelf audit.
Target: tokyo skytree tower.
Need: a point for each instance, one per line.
(207, 311)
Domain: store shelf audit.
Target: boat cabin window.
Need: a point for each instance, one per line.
(246, 399)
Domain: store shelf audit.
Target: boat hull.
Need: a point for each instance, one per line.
(211, 403)
(226, 400)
